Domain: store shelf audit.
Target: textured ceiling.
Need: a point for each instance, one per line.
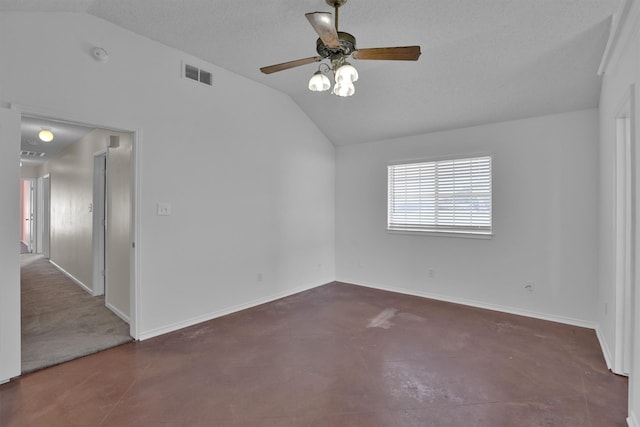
(482, 60)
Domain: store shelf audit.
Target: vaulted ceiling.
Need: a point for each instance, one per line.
(482, 60)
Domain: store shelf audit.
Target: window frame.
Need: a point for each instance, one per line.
(453, 231)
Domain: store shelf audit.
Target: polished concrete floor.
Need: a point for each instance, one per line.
(337, 355)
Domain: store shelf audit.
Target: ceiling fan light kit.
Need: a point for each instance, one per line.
(346, 72)
(337, 46)
(319, 82)
(344, 89)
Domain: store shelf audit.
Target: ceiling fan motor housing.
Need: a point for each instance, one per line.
(336, 3)
(346, 48)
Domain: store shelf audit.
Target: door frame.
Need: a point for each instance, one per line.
(626, 248)
(44, 214)
(124, 126)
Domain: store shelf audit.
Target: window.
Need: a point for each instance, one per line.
(451, 196)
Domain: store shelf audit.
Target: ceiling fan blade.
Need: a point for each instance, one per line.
(323, 24)
(291, 64)
(402, 53)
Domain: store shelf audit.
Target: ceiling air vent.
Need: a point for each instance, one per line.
(32, 154)
(194, 73)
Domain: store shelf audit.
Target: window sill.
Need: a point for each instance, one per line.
(460, 234)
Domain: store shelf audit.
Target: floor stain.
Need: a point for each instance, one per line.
(382, 320)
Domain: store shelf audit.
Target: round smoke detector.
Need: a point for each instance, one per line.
(99, 54)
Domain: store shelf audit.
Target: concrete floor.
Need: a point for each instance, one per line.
(337, 355)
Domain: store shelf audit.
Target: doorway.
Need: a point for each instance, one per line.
(73, 236)
(27, 216)
(34, 215)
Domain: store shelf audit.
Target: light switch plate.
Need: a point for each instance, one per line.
(164, 209)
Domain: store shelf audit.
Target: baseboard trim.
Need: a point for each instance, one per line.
(632, 421)
(210, 316)
(117, 312)
(605, 348)
(479, 304)
(71, 276)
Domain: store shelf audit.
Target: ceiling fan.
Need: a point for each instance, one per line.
(337, 46)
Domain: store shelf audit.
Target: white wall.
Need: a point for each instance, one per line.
(249, 177)
(9, 254)
(622, 71)
(28, 171)
(544, 219)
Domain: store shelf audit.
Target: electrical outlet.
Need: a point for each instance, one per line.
(430, 272)
(259, 277)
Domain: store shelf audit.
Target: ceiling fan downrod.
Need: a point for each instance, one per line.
(336, 4)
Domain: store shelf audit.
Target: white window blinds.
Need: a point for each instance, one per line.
(441, 196)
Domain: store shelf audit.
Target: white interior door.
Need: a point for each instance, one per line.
(45, 216)
(39, 215)
(99, 222)
(118, 233)
(25, 213)
(32, 216)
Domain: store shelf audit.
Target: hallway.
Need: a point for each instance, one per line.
(60, 321)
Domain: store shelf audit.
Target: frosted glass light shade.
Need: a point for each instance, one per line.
(319, 82)
(346, 73)
(45, 135)
(344, 88)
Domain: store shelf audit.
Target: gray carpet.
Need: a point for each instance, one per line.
(60, 321)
